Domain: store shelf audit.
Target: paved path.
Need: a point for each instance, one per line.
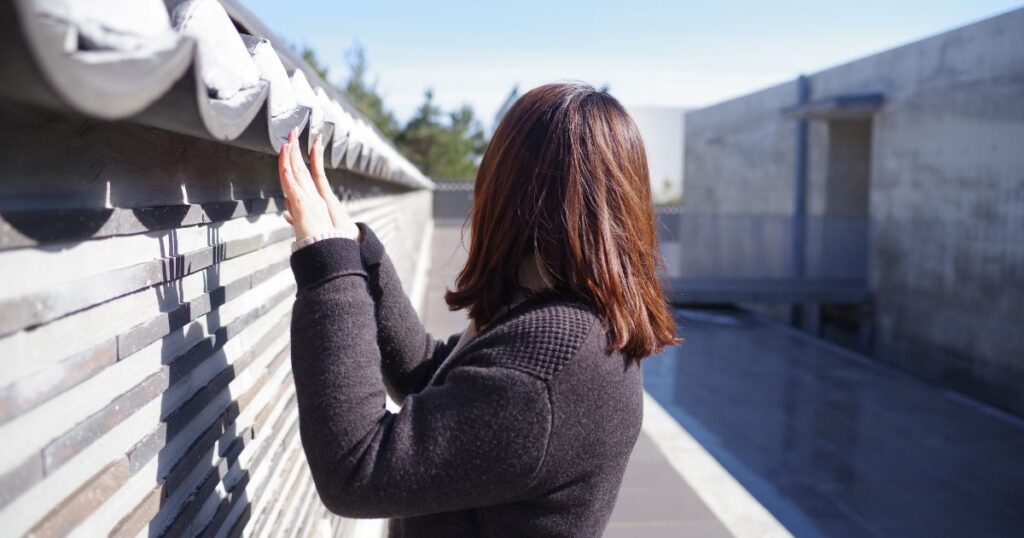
(447, 256)
(838, 445)
(654, 500)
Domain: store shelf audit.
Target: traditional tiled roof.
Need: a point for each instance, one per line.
(205, 68)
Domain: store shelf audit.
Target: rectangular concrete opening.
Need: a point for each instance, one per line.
(843, 247)
(849, 168)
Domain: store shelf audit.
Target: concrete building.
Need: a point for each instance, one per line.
(662, 129)
(146, 292)
(901, 173)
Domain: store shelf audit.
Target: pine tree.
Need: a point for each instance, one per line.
(443, 145)
(364, 96)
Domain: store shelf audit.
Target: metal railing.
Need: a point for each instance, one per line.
(731, 258)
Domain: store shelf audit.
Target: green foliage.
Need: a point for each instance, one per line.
(364, 96)
(443, 149)
(310, 57)
(443, 145)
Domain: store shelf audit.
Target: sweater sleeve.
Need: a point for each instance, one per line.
(409, 354)
(477, 439)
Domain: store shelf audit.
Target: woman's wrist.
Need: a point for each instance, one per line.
(354, 231)
(313, 238)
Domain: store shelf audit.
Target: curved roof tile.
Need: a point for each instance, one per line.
(184, 66)
(103, 63)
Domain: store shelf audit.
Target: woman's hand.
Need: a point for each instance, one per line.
(343, 222)
(312, 207)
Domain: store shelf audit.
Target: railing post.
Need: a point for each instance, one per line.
(799, 226)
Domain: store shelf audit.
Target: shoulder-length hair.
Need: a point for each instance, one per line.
(565, 176)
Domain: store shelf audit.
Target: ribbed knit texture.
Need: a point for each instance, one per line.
(525, 431)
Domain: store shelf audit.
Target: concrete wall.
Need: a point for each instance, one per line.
(945, 195)
(144, 330)
(662, 131)
(453, 201)
(739, 156)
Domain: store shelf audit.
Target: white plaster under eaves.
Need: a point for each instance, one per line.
(366, 154)
(228, 69)
(282, 98)
(387, 154)
(302, 90)
(387, 161)
(105, 58)
(347, 129)
(356, 144)
(113, 25)
(112, 59)
(307, 97)
(284, 109)
(324, 104)
(383, 165)
(376, 158)
(229, 87)
(342, 127)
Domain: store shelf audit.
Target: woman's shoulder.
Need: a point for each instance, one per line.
(538, 337)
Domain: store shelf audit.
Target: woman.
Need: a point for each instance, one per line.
(523, 424)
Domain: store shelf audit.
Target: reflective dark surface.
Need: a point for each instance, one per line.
(836, 445)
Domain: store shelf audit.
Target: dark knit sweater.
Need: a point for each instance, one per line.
(525, 432)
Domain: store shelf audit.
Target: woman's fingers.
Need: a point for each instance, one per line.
(299, 170)
(316, 161)
(289, 186)
(287, 214)
(305, 210)
(323, 187)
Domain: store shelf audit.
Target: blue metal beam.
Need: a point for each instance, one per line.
(847, 106)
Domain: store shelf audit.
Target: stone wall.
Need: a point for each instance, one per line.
(144, 330)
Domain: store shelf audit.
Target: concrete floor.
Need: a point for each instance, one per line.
(833, 444)
(655, 502)
(447, 256)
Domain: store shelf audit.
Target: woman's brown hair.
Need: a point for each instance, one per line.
(565, 175)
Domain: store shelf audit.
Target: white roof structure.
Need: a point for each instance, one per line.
(205, 68)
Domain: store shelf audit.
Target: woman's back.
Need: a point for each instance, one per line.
(593, 406)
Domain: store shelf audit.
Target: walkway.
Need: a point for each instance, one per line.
(837, 445)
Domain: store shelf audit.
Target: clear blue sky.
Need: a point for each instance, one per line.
(672, 53)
